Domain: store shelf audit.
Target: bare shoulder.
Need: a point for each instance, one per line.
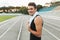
(38, 19)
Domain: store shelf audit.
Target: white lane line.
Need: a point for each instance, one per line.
(7, 22)
(51, 17)
(11, 14)
(19, 35)
(53, 27)
(9, 28)
(52, 23)
(51, 34)
(20, 31)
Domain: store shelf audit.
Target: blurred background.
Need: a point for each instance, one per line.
(14, 15)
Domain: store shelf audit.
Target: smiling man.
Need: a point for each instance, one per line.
(35, 22)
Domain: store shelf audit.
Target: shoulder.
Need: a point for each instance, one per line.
(38, 19)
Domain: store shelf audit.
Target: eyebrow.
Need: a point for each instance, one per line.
(30, 8)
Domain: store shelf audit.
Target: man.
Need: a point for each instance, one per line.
(35, 23)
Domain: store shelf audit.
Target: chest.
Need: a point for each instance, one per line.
(33, 27)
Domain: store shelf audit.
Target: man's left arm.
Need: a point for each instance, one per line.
(38, 24)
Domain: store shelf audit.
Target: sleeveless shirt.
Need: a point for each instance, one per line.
(33, 27)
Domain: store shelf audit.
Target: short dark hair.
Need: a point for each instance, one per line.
(32, 4)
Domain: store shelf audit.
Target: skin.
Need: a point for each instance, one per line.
(37, 21)
(31, 10)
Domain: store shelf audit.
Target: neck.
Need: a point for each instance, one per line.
(33, 13)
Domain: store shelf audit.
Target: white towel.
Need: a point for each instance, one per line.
(33, 17)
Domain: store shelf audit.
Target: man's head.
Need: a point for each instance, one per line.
(32, 8)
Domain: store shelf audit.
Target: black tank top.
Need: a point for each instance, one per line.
(33, 27)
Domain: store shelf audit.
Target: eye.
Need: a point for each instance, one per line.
(30, 9)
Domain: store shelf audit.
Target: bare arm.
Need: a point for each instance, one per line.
(38, 24)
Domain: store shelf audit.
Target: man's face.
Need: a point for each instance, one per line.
(31, 10)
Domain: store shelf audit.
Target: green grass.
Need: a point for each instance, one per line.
(3, 18)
